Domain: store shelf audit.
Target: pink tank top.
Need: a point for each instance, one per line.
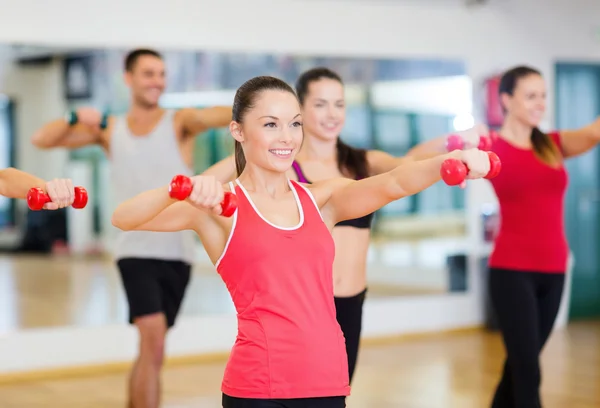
(289, 344)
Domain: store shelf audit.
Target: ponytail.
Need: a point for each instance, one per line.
(545, 148)
(240, 159)
(352, 160)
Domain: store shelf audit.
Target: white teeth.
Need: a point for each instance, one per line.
(281, 152)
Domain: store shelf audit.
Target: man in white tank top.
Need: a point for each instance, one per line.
(146, 147)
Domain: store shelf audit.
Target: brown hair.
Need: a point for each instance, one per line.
(543, 146)
(349, 159)
(133, 56)
(244, 100)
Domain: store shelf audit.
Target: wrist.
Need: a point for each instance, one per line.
(455, 154)
(71, 118)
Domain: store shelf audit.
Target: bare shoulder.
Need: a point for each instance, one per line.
(323, 190)
(180, 114)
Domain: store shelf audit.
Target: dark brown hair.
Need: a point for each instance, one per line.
(543, 146)
(133, 56)
(244, 100)
(351, 161)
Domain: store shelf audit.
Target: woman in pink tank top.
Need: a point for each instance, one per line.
(275, 254)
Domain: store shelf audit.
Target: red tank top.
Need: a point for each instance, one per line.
(531, 197)
(289, 343)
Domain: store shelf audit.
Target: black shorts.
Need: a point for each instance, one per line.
(154, 286)
(324, 402)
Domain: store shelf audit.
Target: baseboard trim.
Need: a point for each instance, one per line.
(91, 370)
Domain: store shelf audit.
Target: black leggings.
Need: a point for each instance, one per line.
(349, 312)
(526, 305)
(325, 402)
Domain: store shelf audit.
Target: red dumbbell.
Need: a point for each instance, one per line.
(36, 198)
(454, 171)
(485, 143)
(181, 188)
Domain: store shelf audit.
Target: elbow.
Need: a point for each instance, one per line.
(394, 190)
(120, 222)
(39, 141)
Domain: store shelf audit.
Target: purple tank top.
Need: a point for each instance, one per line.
(298, 170)
(362, 222)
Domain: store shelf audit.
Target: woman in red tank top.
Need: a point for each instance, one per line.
(529, 259)
(276, 253)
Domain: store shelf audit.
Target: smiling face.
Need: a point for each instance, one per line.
(146, 79)
(269, 129)
(324, 109)
(527, 104)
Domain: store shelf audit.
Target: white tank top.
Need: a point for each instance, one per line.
(141, 163)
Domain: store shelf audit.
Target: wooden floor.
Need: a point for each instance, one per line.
(63, 291)
(441, 371)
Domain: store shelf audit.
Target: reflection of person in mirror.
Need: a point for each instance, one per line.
(529, 259)
(146, 146)
(289, 351)
(324, 155)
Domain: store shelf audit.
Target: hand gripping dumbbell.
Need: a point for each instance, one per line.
(454, 171)
(37, 198)
(181, 187)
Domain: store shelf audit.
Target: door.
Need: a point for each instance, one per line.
(578, 104)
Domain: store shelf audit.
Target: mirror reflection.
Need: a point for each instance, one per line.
(57, 268)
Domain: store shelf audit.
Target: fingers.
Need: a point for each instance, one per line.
(70, 191)
(50, 206)
(478, 163)
(61, 192)
(207, 192)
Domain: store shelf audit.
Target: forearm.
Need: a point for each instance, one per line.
(430, 148)
(220, 116)
(196, 121)
(52, 134)
(142, 208)
(224, 171)
(412, 178)
(16, 183)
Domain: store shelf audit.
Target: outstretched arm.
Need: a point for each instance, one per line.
(196, 121)
(382, 162)
(154, 210)
(16, 183)
(86, 126)
(579, 141)
(224, 171)
(345, 199)
(470, 138)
